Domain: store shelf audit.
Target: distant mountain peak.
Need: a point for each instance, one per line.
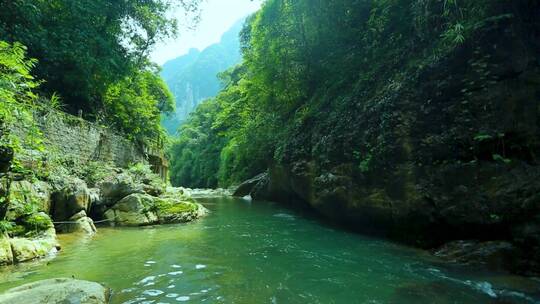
(192, 77)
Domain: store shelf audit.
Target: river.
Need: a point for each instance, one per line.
(260, 252)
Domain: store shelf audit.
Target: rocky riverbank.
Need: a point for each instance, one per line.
(38, 209)
(463, 238)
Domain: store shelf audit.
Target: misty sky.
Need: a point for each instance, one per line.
(217, 17)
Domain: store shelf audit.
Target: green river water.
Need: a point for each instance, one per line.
(258, 252)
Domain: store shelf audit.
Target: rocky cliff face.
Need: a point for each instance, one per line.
(446, 150)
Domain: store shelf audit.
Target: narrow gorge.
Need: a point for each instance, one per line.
(340, 151)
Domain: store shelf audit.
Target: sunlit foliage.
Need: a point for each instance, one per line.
(302, 63)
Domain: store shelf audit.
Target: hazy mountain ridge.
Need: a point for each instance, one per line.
(192, 78)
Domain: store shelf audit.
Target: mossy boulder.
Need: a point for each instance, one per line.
(40, 245)
(133, 210)
(30, 225)
(27, 197)
(143, 209)
(171, 210)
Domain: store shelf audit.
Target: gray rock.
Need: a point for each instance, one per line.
(246, 187)
(208, 193)
(70, 200)
(58, 291)
(116, 187)
(133, 210)
(80, 223)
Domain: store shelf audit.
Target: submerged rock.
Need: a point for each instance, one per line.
(68, 291)
(494, 255)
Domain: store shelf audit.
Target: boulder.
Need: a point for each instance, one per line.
(80, 222)
(133, 210)
(246, 187)
(143, 209)
(6, 256)
(24, 195)
(116, 187)
(70, 200)
(171, 210)
(57, 291)
(26, 249)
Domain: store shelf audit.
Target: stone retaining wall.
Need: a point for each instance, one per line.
(84, 141)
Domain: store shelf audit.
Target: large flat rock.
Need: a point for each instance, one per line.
(57, 291)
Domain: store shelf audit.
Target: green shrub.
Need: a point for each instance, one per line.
(6, 226)
(36, 222)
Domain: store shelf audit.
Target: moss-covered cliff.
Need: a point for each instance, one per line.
(445, 148)
(415, 119)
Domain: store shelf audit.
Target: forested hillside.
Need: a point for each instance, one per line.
(193, 77)
(93, 57)
(346, 151)
(391, 115)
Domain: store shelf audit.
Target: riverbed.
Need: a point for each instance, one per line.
(261, 252)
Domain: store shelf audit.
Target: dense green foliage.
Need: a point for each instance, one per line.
(94, 53)
(299, 59)
(135, 104)
(17, 95)
(195, 155)
(193, 77)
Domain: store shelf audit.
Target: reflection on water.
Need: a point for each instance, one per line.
(259, 252)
